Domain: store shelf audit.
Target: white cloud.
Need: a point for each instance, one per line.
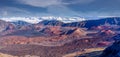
(78, 1)
(12, 11)
(56, 7)
(5, 13)
(61, 10)
(40, 3)
(46, 3)
(100, 14)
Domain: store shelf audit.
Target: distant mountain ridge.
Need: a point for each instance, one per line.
(85, 24)
(20, 23)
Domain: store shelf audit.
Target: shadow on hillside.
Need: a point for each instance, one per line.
(91, 54)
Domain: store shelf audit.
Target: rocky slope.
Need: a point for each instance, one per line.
(54, 38)
(3, 25)
(114, 49)
(105, 22)
(51, 51)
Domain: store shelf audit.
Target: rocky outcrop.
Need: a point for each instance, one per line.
(77, 32)
(114, 49)
(106, 32)
(58, 30)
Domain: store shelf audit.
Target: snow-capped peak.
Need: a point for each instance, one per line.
(38, 19)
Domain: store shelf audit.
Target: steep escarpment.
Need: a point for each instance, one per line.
(114, 49)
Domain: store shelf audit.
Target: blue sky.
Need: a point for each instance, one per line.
(69, 8)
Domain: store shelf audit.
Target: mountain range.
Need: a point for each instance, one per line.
(112, 22)
(55, 35)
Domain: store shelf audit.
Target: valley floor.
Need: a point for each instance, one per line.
(87, 52)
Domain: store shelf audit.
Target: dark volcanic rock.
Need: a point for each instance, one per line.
(112, 51)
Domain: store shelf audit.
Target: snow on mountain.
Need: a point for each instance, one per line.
(38, 19)
(26, 19)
